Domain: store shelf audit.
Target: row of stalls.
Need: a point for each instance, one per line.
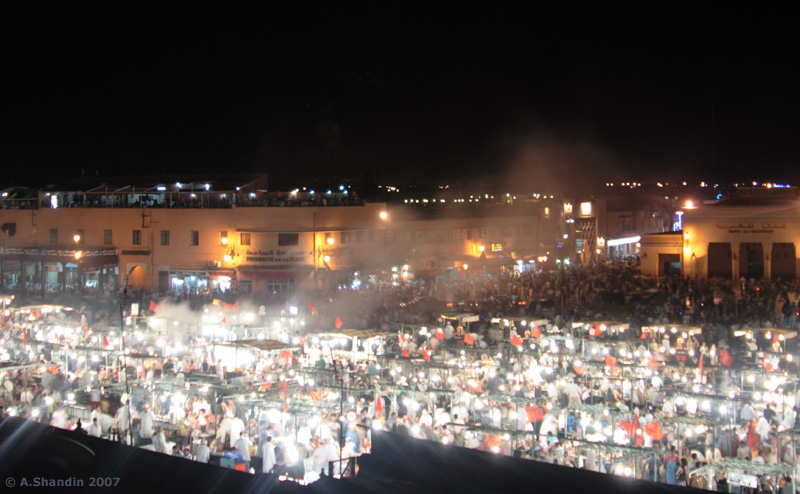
(475, 393)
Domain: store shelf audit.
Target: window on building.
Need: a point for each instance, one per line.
(359, 236)
(372, 235)
(244, 238)
(246, 287)
(54, 235)
(164, 237)
(469, 234)
(344, 237)
(280, 286)
(223, 237)
(327, 236)
(137, 237)
(81, 236)
(287, 239)
(194, 238)
(107, 238)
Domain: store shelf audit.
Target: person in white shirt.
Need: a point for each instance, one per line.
(269, 456)
(148, 420)
(242, 446)
(26, 397)
(223, 429)
(94, 429)
(237, 426)
(59, 418)
(747, 413)
(160, 442)
(763, 428)
(448, 332)
(202, 453)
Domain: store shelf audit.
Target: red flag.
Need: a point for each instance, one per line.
(492, 441)
(338, 323)
(468, 339)
(224, 307)
(224, 321)
(578, 369)
(311, 307)
(768, 365)
(700, 364)
(535, 331)
(644, 335)
(439, 333)
(105, 342)
(316, 395)
(265, 386)
(36, 313)
(286, 405)
(405, 352)
(287, 305)
(652, 363)
(427, 355)
(516, 340)
(378, 406)
(638, 439)
(726, 358)
(534, 414)
(153, 306)
(25, 338)
(287, 355)
(653, 429)
(611, 361)
(628, 427)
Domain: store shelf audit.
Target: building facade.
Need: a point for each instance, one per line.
(250, 249)
(741, 238)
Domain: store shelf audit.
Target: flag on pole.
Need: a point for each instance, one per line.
(700, 364)
(468, 339)
(405, 352)
(578, 368)
(653, 429)
(105, 342)
(535, 331)
(153, 306)
(611, 361)
(338, 323)
(311, 307)
(726, 358)
(516, 340)
(378, 406)
(224, 321)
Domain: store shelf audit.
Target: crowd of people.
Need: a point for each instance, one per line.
(538, 365)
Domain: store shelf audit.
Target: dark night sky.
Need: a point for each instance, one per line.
(525, 97)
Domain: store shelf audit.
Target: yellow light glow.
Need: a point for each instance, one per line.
(224, 240)
(466, 266)
(327, 258)
(227, 258)
(76, 238)
(384, 215)
(330, 240)
(78, 255)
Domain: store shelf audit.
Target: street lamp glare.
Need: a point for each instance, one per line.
(76, 238)
(224, 240)
(384, 215)
(78, 255)
(330, 240)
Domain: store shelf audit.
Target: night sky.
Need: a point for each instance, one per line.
(529, 98)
